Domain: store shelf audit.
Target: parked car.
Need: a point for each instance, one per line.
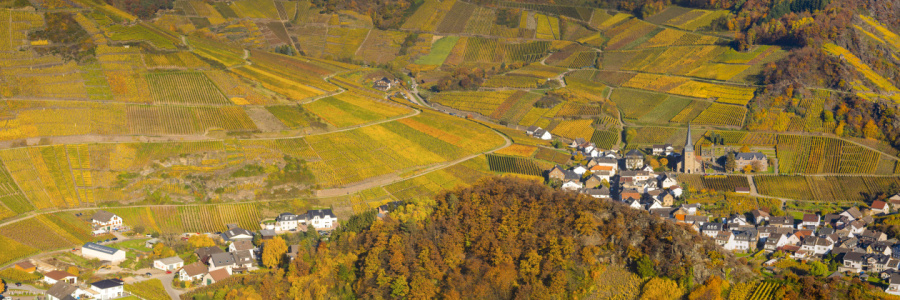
(115, 239)
(18, 284)
(168, 272)
(74, 249)
(148, 274)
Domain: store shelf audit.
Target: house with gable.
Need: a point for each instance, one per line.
(810, 221)
(53, 277)
(880, 207)
(759, 216)
(191, 272)
(168, 264)
(542, 134)
(109, 289)
(236, 233)
(893, 285)
(783, 221)
(216, 276)
(599, 193)
(712, 229)
(286, 222)
(743, 159)
(106, 221)
(816, 246)
(531, 129)
(221, 261)
(775, 241)
(634, 160)
(322, 219)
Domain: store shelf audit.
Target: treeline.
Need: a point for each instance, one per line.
(502, 238)
(385, 14)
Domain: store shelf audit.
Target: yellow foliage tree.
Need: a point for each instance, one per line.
(161, 251)
(711, 290)
(273, 251)
(661, 289)
(200, 241)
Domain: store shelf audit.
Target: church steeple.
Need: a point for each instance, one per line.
(689, 143)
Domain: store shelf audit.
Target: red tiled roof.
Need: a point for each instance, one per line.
(879, 205)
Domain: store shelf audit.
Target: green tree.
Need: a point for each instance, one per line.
(645, 267)
(818, 269)
(729, 162)
(273, 252)
(399, 287)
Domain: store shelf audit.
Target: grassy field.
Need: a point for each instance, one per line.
(440, 49)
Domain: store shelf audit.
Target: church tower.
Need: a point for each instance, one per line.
(689, 163)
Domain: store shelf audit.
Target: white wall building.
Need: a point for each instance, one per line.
(169, 263)
(109, 289)
(91, 250)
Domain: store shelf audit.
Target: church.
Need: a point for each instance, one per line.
(689, 162)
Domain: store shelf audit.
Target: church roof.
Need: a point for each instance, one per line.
(689, 143)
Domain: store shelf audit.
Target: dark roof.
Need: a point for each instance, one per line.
(62, 290)
(532, 128)
(783, 220)
(854, 212)
(108, 283)
(286, 217)
(235, 232)
(243, 257)
(749, 156)
(204, 253)
(895, 278)
(222, 259)
(102, 216)
(712, 226)
(759, 213)
(688, 142)
(634, 152)
(267, 232)
(243, 245)
(321, 213)
(602, 191)
(854, 256)
(539, 132)
(100, 248)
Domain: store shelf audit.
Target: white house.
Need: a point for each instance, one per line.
(579, 170)
(816, 245)
(241, 246)
(194, 271)
(668, 182)
(712, 229)
(810, 221)
(725, 239)
(106, 221)
(216, 276)
(737, 220)
(775, 241)
(91, 250)
(893, 285)
(287, 222)
(169, 263)
(237, 234)
(62, 290)
(321, 218)
(221, 261)
(635, 204)
(109, 289)
(880, 207)
(572, 185)
(542, 134)
(744, 241)
(53, 277)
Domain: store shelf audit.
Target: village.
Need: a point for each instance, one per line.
(181, 262)
(843, 241)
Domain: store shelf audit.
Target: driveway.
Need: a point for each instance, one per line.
(157, 274)
(13, 289)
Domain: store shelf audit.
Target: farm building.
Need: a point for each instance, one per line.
(106, 221)
(108, 289)
(194, 271)
(267, 234)
(92, 250)
(60, 276)
(25, 266)
(168, 264)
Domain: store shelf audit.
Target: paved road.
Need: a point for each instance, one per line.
(157, 274)
(12, 289)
